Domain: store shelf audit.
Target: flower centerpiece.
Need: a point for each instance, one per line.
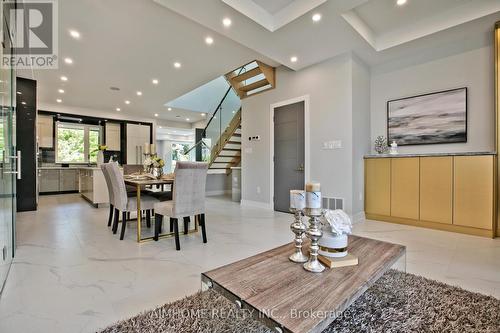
(154, 165)
(336, 226)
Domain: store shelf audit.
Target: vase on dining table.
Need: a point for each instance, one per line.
(157, 172)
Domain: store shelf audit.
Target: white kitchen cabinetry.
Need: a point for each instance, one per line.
(113, 136)
(93, 186)
(137, 136)
(45, 128)
(49, 181)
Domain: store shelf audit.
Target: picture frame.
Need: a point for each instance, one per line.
(432, 118)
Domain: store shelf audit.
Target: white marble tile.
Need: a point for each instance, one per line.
(71, 274)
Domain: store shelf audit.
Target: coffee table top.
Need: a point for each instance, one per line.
(294, 300)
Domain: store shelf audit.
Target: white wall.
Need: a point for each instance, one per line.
(472, 69)
(329, 86)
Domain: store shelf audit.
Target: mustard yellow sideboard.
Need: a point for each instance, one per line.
(452, 192)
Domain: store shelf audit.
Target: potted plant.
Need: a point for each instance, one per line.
(337, 226)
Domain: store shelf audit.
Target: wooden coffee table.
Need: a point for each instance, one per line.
(287, 298)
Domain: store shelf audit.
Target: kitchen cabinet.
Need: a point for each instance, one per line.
(45, 125)
(137, 136)
(113, 135)
(93, 186)
(55, 180)
(49, 181)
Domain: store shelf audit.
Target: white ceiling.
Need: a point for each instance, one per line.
(313, 42)
(127, 43)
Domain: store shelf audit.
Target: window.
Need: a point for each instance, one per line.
(77, 143)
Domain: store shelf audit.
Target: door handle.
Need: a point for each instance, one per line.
(300, 168)
(18, 158)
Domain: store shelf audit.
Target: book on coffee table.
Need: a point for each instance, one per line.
(348, 260)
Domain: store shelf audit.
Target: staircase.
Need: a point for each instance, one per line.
(221, 144)
(227, 152)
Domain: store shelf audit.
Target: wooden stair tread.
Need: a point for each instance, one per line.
(255, 85)
(245, 76)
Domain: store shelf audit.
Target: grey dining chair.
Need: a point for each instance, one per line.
(122, 202)
(188, 199)
(110, 193)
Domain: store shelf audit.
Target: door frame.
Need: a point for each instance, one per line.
(307, 154)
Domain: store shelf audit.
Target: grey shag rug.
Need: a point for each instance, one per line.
(398, 302)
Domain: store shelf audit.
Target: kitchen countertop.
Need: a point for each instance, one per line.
(429, 154)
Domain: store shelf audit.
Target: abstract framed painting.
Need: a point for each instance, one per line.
(433, 118)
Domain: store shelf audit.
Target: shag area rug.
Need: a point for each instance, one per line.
(398, 302)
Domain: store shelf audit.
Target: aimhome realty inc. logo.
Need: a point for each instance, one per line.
(33, 31)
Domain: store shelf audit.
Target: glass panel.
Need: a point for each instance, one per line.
(70, 144)
(7, 162)
(94, 142)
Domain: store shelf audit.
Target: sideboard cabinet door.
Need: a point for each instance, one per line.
(473, 192)
(378, 186)
(405, 186)
(436, 189)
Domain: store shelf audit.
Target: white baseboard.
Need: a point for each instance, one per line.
(358, 217)
(256, 204)
(219, 192)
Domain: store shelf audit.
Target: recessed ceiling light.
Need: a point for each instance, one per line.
(139, 93)
(61, 91)
(401, 2)
(156, 114)
(203, 114)
(64, 78)
(294, 59)
(209, 40)
(23, 103)
(59, 100)
(227, 22)
(19, 93)
(169, 109)
(316, 17)
(75, 34)
(127, 102)
(155, 81)
(177, 65)
(160, 127)
(118, 109)
(69, 61)
(187, 119)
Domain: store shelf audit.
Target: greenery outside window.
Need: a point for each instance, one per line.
(77, 143)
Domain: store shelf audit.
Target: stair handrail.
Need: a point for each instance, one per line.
(196, 145)
(218, 108)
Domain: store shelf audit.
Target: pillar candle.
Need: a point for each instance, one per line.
(153, 149)
(147, 148)
(313, 195)
(297, 199)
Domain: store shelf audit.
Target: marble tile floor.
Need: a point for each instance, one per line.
(71, 274)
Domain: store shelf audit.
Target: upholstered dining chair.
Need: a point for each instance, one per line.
(188, 199)
(122, 202)
(110, 193)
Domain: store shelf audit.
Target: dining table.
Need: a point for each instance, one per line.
(141, 183)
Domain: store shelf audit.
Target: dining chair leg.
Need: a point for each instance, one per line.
(110, 219)
(203, 229)
(148, 218)
(176, 231)
(115, 221)
(124, 225)
(128, 216)
(171, 226)
(187, 221)
(158, 223)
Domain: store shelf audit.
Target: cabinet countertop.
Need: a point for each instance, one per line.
(429, 154)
